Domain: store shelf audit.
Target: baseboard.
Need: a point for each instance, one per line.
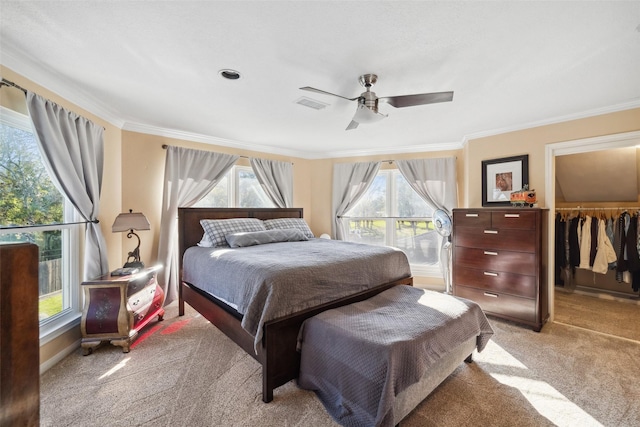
(59, 356)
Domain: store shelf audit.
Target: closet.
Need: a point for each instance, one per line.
(596, 250)
(596, 190)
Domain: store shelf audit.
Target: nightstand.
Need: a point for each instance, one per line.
(117, 307)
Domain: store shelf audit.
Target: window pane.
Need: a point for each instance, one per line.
(408, 202)
(218, 197)
(374, 201)
(27, 195)
(51, 300)
(250, 192)
(370, 231)
(418, 240)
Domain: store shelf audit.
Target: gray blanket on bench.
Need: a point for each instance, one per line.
(357, 358)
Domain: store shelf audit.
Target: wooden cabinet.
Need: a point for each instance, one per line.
(117, 307)
(499, 261)
(19, 336)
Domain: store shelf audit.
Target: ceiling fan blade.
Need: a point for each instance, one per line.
(418, 99)
(352, 125)
(311, 89)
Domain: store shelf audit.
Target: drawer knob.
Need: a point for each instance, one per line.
(512, 215)
(489, 273)
(491, 253)
(490, 231)
(471, 215)
(489, 294)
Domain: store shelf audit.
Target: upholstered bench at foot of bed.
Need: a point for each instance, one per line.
(371, 363)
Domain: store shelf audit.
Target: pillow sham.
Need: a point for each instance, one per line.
(217, 229)
(252, 238)
(284, 223)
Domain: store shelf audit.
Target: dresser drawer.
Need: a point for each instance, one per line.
(490, 238)
(494, 260)
(500, 304)
(140, 303)
(519, 219)
(136, 285)
(471, 218)
(509, 283)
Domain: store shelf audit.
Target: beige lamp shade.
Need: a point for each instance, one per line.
(130, 221)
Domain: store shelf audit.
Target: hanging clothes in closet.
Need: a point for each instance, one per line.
(599, 244)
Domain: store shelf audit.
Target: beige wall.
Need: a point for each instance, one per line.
(532, 142)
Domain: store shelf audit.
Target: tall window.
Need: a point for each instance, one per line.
(33, 210)
(239, 188)
(391, 213)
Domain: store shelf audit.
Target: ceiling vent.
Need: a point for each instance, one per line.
(311, 103)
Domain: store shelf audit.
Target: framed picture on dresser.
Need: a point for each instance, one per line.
(501, 177)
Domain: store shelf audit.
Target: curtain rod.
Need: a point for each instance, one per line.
(6, 82)
(165, 146)
(19, 227)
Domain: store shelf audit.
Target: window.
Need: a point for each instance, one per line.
(33, 210)
(391, 213)
(239, 188)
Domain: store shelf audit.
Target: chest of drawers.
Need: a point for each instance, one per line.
(499, 260)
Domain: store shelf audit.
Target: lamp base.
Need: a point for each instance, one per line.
(133, 264)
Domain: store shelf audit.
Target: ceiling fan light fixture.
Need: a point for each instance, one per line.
(366, 115)
(229, 74)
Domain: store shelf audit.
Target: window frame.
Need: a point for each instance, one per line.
(57, 324)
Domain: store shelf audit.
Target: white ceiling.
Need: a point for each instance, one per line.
(152, 66)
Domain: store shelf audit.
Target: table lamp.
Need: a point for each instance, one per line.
(129, 222)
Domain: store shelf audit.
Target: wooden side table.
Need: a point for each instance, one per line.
(117, 307)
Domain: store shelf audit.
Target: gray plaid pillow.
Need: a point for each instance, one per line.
(217, 229)
(284, 223)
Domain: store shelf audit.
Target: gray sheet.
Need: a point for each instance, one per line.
(269, 281)
(357, 358)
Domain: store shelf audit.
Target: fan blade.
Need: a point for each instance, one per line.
(352, 125)
(311, 89)
(418, 99)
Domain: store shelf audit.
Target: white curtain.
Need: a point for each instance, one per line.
(350, 182)
(72, 148)
(276, 179)
(435, 180)
(188, 176)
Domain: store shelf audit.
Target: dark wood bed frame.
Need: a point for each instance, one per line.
(278, 355)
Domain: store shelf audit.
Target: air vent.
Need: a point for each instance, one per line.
(311, 103)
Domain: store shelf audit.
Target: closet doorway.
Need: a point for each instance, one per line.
(589, 300)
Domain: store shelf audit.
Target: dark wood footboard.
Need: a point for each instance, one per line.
(278, 354)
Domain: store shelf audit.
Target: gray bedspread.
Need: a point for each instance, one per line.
(269, 281)
(357, 358)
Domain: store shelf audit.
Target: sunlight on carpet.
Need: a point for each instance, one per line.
(548, 401)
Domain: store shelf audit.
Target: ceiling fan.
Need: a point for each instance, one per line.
(367, 110)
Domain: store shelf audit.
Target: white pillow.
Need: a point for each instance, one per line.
(217, 229)
(284, 223)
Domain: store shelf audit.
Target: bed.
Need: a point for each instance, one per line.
(274, 344)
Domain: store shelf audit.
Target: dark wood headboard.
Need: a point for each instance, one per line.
(190, 231)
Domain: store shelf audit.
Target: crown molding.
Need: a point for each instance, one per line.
(56, 83)
(554, 120)
(206, 139)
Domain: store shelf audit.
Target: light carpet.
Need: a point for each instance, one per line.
(184, 372)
